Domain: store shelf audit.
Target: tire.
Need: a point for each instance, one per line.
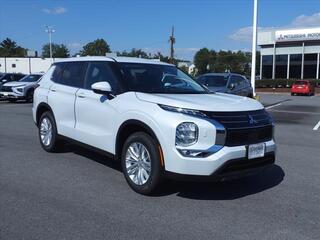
(29, 97)
(149, 148)
(12, 100)
(54, 143)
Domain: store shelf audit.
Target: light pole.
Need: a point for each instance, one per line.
(254, 46)
(50, 30)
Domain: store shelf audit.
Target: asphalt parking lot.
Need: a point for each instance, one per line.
(79, 194)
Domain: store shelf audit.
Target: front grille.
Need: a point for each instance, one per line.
(245, 136)
(233, 166)
(6, 89)
(246, 127)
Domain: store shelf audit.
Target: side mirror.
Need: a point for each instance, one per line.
(232, 86)
(103, 88)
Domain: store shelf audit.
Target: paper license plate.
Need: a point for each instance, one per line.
(256, 150)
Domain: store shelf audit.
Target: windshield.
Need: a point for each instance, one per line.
(30, 78)
(216, 81)
(156, 78)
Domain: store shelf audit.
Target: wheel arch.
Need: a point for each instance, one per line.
(42, 107)
(126, 129)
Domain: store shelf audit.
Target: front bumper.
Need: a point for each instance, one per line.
(11, 95)
(209, 166)
(231, 169)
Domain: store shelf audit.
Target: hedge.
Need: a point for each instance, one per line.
(280, 83)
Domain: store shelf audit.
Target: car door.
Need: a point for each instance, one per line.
(67, 79)
(95, 113)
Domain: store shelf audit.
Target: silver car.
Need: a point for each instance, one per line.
(20, 90)
(227, 83)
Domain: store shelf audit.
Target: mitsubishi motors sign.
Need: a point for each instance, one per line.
(297, 35)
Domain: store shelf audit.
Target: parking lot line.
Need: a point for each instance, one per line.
(316, 127)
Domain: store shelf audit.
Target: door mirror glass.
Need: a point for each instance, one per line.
(101, 88)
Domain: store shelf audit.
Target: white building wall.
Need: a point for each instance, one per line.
(24, 65)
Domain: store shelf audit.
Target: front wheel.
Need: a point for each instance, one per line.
(141, 163)
(48, 134)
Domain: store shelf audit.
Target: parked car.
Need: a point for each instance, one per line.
(227, 83)
(9, 77)
(20, 90)
(303, 87)
(154, 119)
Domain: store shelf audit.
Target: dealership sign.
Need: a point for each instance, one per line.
(297, 35)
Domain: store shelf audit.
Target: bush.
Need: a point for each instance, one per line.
(280, 83)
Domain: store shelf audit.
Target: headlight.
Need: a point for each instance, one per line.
(19, 89)
(191, 112)
(186, 134)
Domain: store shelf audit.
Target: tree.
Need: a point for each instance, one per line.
(9, 48)
(98, 47)
(222, 61)
(58, 51)
(202, 59)
(134, 53)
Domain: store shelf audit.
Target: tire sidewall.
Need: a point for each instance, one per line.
(156, 169)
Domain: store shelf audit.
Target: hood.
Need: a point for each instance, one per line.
(217, 89)
(216, 102)
(15, 84)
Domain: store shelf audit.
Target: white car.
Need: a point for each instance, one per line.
(22, 89)
(153, 118)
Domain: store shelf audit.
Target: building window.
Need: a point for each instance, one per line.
(13, 65)
(310, 66)
(267, 66)
(281, 66)
(295, 65)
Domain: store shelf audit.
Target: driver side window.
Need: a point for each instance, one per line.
(100, 72)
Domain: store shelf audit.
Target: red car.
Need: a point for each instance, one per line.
(304, 87)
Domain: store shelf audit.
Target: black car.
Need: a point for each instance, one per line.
(227, 83)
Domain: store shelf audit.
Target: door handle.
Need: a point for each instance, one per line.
(81, 95)
(53, 90)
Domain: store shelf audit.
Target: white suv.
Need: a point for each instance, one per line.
(153, 118)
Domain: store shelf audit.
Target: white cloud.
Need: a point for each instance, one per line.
(54, 11)
(242, 34)
(245, 34)
(307, 21)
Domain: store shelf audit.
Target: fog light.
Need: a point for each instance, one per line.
(186, 134)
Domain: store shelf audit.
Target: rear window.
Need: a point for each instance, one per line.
(301, 83)
(69, 73)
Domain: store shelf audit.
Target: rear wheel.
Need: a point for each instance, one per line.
(140, 162)
(48, 134)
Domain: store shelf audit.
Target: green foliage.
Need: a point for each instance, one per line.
(134, 53)
(58, 51)
(207, 60)
(98, 47)
(279, 83)
(9, 48)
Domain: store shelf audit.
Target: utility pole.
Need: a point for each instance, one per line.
(254, 46)
(172, 41)
(50, 30)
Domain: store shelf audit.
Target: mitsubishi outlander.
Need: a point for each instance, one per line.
(153, 118)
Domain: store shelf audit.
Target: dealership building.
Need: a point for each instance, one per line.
(289, 53)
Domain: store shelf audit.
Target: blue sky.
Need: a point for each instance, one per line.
(125, 24)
